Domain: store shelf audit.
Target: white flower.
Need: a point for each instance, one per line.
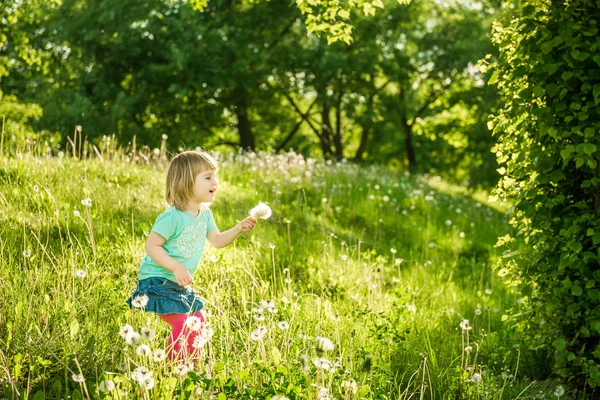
(259, 333)
(78, 128)
(462, 234)
(141, 374)
(143, 350)
(76, 213)
(393, 250)
(146, 384)
(205, 337)
(386, 198)
(35, 188)
(559, 391)
(262, 211)
(106, 386)
(140, 301)
(194, 323)
(213, 258)
(344, 257)
(323, 394)
(283, 325)
(478, 311)
(488, 291)
(164, 136)
(80, 273)
(181, 369)
(324, 200)
(87, 202)
(464, 324)
(322, 363)
(448, 222)
(79, 378)
(399, 261)
(271, 245)
(468, 349)
(324, 344)
(147, 333)
(125, 329)
(133, 338)
(475, 378)
(159, 355)
(412, 308)
(26, 253)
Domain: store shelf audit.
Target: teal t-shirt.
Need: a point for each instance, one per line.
(185, 237)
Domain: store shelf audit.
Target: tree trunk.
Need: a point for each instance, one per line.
(247, 140)
(408, 144)
(337, 137)
(366, 130)
(326, 132)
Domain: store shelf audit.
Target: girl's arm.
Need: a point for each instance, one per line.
(160, 256)
(221, 239)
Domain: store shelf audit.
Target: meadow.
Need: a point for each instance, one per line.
(365, 283)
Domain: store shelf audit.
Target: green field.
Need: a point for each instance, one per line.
(385, 265)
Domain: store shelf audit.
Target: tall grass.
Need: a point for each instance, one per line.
(396, 270)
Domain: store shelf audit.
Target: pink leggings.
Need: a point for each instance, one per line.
(182, 338)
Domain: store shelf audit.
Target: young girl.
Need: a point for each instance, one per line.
(175, 245)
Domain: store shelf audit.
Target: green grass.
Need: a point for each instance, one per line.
(325, 258)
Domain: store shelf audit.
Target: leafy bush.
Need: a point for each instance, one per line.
(548, 72)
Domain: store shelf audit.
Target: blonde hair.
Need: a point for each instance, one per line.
(182, 173)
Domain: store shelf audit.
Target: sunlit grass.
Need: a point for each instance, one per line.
(385, 266)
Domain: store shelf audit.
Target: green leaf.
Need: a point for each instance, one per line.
(74, 329)
(552, 89)
(593, 294)
(589, 148)
(566, 75)
(576, 290)
(39, 395)
(579, 55)
(494, 78)
(560, 344)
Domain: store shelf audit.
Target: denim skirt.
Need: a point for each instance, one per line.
(163, 296)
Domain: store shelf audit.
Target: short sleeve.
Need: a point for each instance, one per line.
(165, 225)
(210, 221)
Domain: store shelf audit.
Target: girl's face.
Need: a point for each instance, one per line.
(205, 186)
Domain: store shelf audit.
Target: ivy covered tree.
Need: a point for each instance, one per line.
(548, 72)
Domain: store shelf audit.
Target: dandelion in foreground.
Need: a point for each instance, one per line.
(559, 391)
(464, 324)
(147, 333)
(262, 211)
(140, 301)
(323, 344)
(181, 369)
(259, 333)
(488, 291)
(205, 337)
(159, 355)
(125, 329)
(106, 386)
(147, 384)
(283, 325)
(393, 250)
(78, 378)
(322, 363)
(468, 349)
(143, 350)
(26, 254)
(194, 323)
(141, 374)
(475, 378)
(133, 338)
(76, 213)
(87, 202)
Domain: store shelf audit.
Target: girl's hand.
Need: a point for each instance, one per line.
(247, 224)
(182, 275)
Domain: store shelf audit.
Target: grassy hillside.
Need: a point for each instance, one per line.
(385, 266)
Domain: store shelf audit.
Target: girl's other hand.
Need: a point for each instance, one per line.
(182, 275)
(247, 224)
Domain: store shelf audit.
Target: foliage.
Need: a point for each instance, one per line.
(549, 145)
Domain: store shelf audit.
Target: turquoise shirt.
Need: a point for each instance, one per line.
(185, 237)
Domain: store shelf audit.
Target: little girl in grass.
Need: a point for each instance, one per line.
(175, 248)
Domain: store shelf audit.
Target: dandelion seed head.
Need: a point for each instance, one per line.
(133, 338)
(140, 301)
(87, 202)
(262, 211)
(79, 378)
(106, 386)
(193, 323)
(323, 344)
(147, 333)
(143, 350)
(125, 329)
(159, 355)
(283, 325)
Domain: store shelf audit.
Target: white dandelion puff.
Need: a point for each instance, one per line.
(87, 202)
(147, 333)
(283, 325)
(324, 344)
(79, 378)
(475, 378)
(140, 301)
(194, 323)
(181, 369)
(262, 211)
(259, 333)
(464, 324)
(133, 338)
(159, 355)
(147, 384)
(106, 386)
(125, 329)
(143, 350)
(76, 213)
(468, 349)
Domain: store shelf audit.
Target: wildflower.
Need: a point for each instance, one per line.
(393, 250)
(464, 324)
(324, 200)
(395, 280)
(280, 398)
(259, 317)
(76, 213)
(259, 333)
(322, 363)
(462, 234)
(181, 369)
(125, 329)
(133, 338)
(194, 323)
(283, 325)
(35, 188)
(468, 349)
(205, 337)
(146, 384)
(78, 128)
(344, 257)
(262, 211)
(412, 308)
(164, 136)
(448, 222)
(26, 254)
(87, 202)
(377, 187)
(147, 333)
(386, 198)
(478, 311)
(323, 344)
(106, 386)
(323, 394)
(399, 261)
(488, 291)
(143, 350)
(140, 301)
(475, 378)
(506, 375)
(559, 391)
(159, 355)
(213, 258)
(350, 386)
(79, 378)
